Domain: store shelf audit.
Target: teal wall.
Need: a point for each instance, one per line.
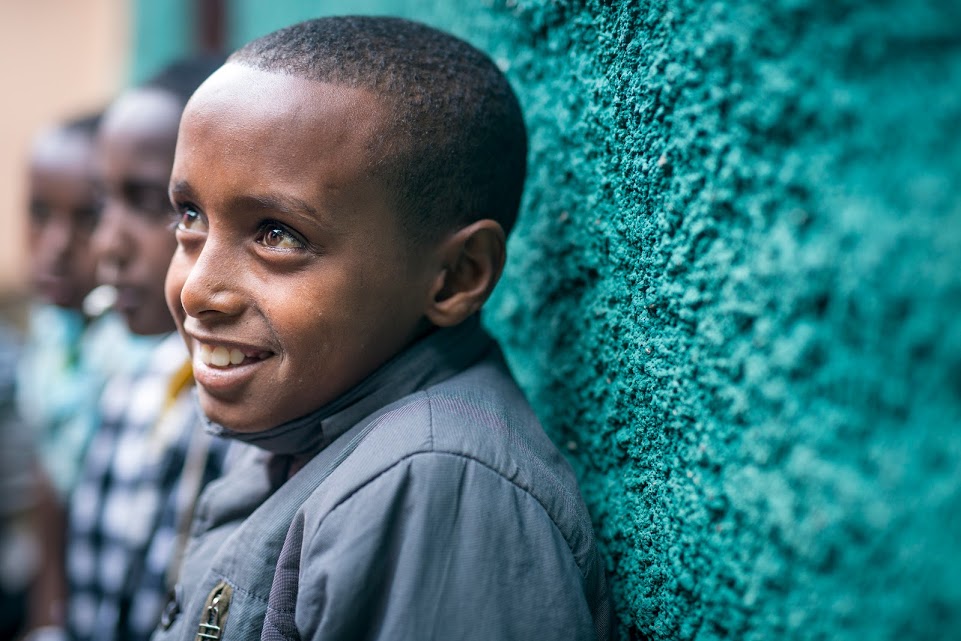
(161, 30)
(734, 298)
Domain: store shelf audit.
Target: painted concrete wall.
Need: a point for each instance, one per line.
(733, 298)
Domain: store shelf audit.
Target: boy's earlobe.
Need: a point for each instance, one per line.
(473, 261)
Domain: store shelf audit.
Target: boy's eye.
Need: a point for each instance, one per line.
(39, 212)
(191, 220)
(87, 217)
(145, 198)
(279, 237)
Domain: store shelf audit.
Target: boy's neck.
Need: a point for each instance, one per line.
(437, 356)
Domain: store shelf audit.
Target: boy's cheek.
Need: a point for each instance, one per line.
(173, 286)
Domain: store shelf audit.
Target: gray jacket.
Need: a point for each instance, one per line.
(431, 506)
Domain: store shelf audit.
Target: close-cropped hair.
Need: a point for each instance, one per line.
(183, 76)
(453, 148)
(85, 125)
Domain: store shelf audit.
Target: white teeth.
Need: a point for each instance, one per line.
(220, 356)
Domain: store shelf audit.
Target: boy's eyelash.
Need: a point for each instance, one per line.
(174, 220)
(269, 224)
(263, 227)
(177, 213)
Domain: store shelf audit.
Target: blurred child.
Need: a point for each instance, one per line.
(69, 353)
(148, 458)
(345, 187)
(17, 549)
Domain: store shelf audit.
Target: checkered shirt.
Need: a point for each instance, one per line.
(127, 510)
(15, 443)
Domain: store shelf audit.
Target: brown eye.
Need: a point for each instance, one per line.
(39, 212)
(148, 199)
(87, 217)
(190, 219)
(279, 237)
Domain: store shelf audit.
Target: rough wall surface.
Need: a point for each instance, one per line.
(734, 296)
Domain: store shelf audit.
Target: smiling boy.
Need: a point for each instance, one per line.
(345, 188)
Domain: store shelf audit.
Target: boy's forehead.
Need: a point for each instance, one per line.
(268, 95)
(60, 147)
(149, 112)
(287, 138)
(285, 124)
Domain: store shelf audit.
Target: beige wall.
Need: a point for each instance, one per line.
(58, 58)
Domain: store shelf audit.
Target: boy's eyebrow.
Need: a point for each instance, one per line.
(275, 202)
(180, 188)
(279, 202)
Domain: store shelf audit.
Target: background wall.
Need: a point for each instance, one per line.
(734, 298)
(733, 295)
(58, 59)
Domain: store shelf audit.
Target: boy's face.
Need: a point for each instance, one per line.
(133, 240)
(292, 280)
(63, 214)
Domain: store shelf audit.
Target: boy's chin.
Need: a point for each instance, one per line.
(234, 417)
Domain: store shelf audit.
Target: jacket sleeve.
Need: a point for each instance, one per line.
(439, 547)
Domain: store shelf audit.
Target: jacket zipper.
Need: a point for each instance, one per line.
(215, 613)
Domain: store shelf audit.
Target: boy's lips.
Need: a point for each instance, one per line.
(216, 355)
(221, 367)
(128, 298)
(55, 289)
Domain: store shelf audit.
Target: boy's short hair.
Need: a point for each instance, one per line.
(183, 76)
(454, 148)
(85, 125)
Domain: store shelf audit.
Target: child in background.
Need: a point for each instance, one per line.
(345, 187)
(68, 354)
(148, 458)
(16, 503)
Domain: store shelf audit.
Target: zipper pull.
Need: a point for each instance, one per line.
(215, 613)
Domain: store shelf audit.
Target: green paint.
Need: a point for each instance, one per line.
(748, 331)
(733, 299)
(163, 30)
(249, 19)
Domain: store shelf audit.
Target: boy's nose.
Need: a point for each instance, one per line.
(210, 287)
(110, 241)
(59, 237)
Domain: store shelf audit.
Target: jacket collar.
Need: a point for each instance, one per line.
(434, 358)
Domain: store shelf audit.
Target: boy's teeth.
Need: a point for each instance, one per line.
(220, 356)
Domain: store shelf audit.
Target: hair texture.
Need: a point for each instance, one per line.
(453, 149)
(85, 125)
(182, 77)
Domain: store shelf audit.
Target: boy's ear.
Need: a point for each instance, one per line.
(473, 259)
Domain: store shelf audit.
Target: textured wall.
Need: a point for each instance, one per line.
(734, 296)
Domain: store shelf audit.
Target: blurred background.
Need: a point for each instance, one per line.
(57, 59)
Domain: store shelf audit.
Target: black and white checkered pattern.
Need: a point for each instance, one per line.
(126, 509)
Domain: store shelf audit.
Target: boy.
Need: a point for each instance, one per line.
(345, 187)
(67, 356)
(148, 458)
(69, 353)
